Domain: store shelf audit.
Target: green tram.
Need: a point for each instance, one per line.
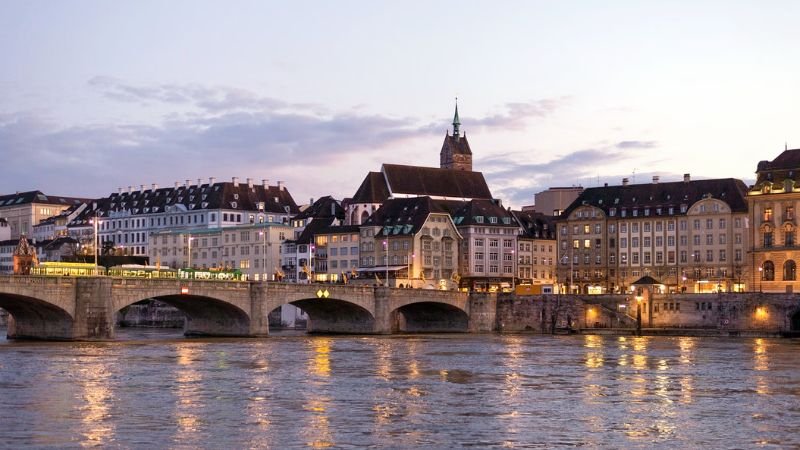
(68, 269)
(212, 274)
(141, 271)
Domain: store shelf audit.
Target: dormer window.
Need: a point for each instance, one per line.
(492, 219)
(479, 219)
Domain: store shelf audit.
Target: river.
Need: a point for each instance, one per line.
(156, 389)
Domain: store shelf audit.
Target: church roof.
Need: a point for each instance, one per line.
(23, 248)
(435, 182)
(372, 190)
(324, 207)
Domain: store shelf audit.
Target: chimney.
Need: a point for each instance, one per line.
(141, 188)
(130, 189)
(250, 183)
(310, 201)
(119, 190)
(176, 185)
(211, 180)
(655, 179)
(624, 181)
(265, 183)
(686, 178)
(188, 182)
(280, 185)
(155, 187)
(235, 182)
(199, 182)
(333, 209)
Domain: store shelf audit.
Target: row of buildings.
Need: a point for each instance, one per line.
(441, 227)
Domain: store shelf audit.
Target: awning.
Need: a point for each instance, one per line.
(381, 269)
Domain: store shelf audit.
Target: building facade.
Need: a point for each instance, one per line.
(23, 210)
(691, 236)
(773, 202)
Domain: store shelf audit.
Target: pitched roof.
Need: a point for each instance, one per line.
(435, 182)
(457, 145)
(223, 195)
(372, 190)
(313, 228)
(785, 166)
(482, 212)
(536, 225)
(646, 280)
(324, 207)
(403, 216)
(663, 195)
(38, 197)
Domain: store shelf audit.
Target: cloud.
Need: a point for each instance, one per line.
(516, 182)
(517, 114)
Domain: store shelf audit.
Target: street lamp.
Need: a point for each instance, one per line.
(264, 254)
(638, 315)
(95, 222)
(386, 247)
(513, 271)
(189, 240)
(760, 277)
(410, 267)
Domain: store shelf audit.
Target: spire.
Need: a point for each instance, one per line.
(456, 122)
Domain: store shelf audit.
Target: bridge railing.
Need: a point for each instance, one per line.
(36, 280)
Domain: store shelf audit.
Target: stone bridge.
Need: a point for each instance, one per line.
(84, 308)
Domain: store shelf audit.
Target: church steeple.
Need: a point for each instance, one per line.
(456, 122)
(455, 153)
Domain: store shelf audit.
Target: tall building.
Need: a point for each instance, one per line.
(456, 153)
(555, 200)
(536, 248)
(691, 236)
(773, 202)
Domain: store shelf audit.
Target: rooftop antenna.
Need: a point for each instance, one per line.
(634, 175)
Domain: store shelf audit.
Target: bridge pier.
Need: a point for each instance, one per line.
(94, 318)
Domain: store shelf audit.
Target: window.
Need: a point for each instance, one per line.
(767, 239)
(767, 214)
(768, 270)
(789, 270)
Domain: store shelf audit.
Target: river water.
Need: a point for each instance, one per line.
(156, 389)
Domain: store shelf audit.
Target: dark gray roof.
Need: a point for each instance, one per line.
(663, 195)
(435, 182)
(38, 197)
(223, 195)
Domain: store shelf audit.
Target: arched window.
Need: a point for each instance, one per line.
(769, 271)
(789, 270)
(364, 217)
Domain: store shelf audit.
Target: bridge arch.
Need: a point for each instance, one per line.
(209, 309)
(332, 315)
(443, 313)
(34, 318)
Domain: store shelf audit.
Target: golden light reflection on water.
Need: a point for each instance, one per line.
(321, 360)
(687, 348)
(761, 364)
(384, 360)
(189, 404)
(513, 363)
(594, 356)
(258, 406)
(318, 430)
(98, 428)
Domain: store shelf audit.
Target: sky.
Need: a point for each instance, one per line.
(98, 95)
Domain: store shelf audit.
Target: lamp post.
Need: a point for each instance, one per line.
(386, 247)
(638, 316)
(760, 277)
(189, 240)
(95, 222)
(513, 271)
(264, 255)
(410, 267)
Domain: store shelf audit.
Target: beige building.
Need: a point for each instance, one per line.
(537, 250)
(23, 210)
(773, 202)
(253, 249)
(690, 236)
(336, 253)
(410, 241)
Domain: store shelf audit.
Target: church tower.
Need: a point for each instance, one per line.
(456, 153)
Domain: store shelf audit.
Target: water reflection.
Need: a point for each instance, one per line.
(95, 381)
(189, 395)
(318, 430)
(399, 392)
